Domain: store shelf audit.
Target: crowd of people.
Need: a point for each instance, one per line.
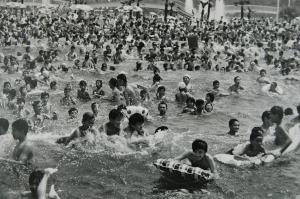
(51, 49)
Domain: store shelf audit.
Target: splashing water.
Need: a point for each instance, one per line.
(189, 6)
(219, 10)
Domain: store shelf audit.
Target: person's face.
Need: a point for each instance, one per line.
(268, 121)
(45, 99)
(83, 87)
(207, 98)
(216, 86)
(74, 114)
(162, 92)
(89, 123)
(21, 104)
(199, 153)
(235, 126)
(95, 108)
(190, 104)
(237, 81)
(98, 84)
(258, 141)
(162, 108)
(17, 134)
(186, 80)
(138, 127)
(274, 117)
(7, 86)
(38, 108)
(117, 122)
(263, 74)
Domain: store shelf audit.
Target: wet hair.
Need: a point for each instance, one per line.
(121, 107)
(190, 99)
(236, 77)
(52, 84)
(266, 114)
(113, 82)
(162, 103)
(161, 128)
(4, 123)
(20, 125)
(44, 94)
(256, 132)
(156, 78)
(161, 88)
(99, 80)
(136, 119)
(123, 78)
(82, 83)
(277, 110)
(20, 100)
(87, 116)
(199, 144)
(216, 82)
(71, 110)
(232, 121)
(115, 114)
(34, 179)
(199, 102)
(288, 111)
(262, 70)
(6, 84)
(211, 96)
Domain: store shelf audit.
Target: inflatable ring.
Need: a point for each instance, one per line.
(130, 110)
(182, 171)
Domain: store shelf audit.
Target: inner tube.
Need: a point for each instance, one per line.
(181, 172)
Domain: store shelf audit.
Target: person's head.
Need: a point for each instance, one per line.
(156, 79)
(98, 83)
(288, 111)
(35, 179)
(160, 129)
(199, 103)
(12, 94)
(190, 102)
(199, 148)
(122, 80)
(256, 136)
(37, 107)
(234, 125)
(216, 84)
(210, 97)
(273, 86)
(262, 72)
(143, 94)
(161, 91)
(67, 92)
(23, 91)
(82, 84)
(53, 85)
(136, 122)
(4, 124)
(162, 108)
(115, 117)
(113, 83)
(6, 86)
(73, 112)
(88, 120)
(104, 67)
(276, 114)
(45, 97)
(237, 80)
(186, 79)
(182, 87)
(21, 102)
(95, 108)
(266, 118)
(19, 129)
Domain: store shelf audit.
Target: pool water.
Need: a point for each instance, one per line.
(99, 172)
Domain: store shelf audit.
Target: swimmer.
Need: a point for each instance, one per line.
(162, 108)
(4, 124)
(236, 87)
(68, 99)
(46, 107)
(199, 107)
(98, 92)
(216, 90)
(38, 185)
(116, 95)
(255, 148)
(262, 78)
(21, 111)
(113, 127)
(88, 120)
(209, 99)
(23, 151)
(273, 88)
(129, 94)
(267, 123)
(36, 122)
(187, 79)
(282, 139)
(161, 93)
(199, 156)
(73, 113)
(183, 94)
(234, 126)
(82, 94)
(190, 105)
(95, 109)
